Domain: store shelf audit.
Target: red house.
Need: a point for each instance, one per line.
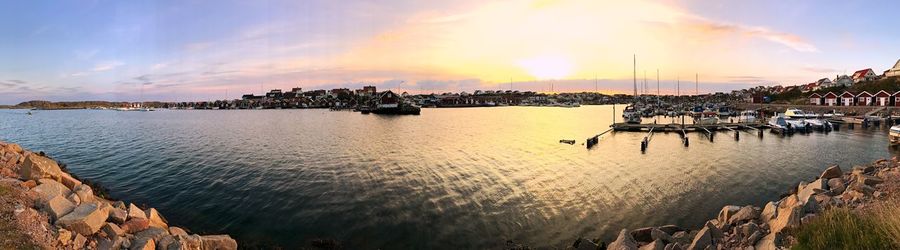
(831, 99)
(882, 98)
(864, 99)
(896, 98)
(847, 98)
(815, 99)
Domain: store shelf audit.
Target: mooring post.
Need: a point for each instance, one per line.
(737, 135)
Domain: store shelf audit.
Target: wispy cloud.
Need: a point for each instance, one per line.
(86, 54)
(108, 65)
(816, 69)
(792, 41)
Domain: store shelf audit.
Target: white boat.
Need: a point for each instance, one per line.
(633, 118)
(706, 120)
(894, 135)
(778, 122)
(798, 114)
(629, 111)
(797, 124)
(748, 116)
(833, 114)
(818, 124)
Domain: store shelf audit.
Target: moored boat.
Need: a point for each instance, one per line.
(778, 123)
(894, 135)
(748, 116)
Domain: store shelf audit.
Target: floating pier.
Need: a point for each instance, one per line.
(685, 128)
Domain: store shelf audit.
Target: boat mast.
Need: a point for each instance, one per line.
(634, 68)
(657, 87)
(696, 84)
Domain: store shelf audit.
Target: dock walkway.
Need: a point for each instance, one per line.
(685, 127)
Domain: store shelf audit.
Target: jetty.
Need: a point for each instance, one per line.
(685, 128)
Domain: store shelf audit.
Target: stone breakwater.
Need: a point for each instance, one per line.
(769, 227)
(70, 216)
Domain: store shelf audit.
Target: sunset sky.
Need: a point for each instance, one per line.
(201, 50)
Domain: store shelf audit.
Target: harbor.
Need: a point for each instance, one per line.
(367, 189)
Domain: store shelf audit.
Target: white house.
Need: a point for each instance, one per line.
(864, 75)
(825, 83)
(895, 71)
(843, 80)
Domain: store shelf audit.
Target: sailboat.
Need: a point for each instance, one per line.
(631, 114)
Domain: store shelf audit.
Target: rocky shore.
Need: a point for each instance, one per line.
(771, 226)
(44, 207)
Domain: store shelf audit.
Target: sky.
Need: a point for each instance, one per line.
(190, 50)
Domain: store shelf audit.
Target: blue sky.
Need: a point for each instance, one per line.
(202, 50)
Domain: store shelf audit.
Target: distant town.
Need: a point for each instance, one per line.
(862, 88)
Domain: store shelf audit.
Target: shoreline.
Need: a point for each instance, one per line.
(775, 225)
(49, 208)
(33, 176)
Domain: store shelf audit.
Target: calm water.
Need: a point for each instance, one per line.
(450, 178)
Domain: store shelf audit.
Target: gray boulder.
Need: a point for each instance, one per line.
(622, 242)
(57, 207)
(836, 185)
(49, 189)
(727, 212)
(746, 213)
(221, 242)
(831, 172)
(655, 245)
(37, 167)
(659, 235)
(86, 219)
(769, 212)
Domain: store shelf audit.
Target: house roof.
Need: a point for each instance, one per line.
(864, 93)
(882, 91)
(896, 93)
(815, 95)
(848, 92)
(897, 65)
(860, 73)
(832, 94)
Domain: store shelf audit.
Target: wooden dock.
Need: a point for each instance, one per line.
(686, 127)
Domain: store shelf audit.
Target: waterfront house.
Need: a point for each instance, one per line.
(864, 75)
(882, 98)
(842, 80)
(896, 98)
(387, 99)
(894, 71)
(274, 94)
(847, 98)
(831, 99)
(815, 99)
(864, 98)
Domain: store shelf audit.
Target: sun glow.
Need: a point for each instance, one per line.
(547, 67)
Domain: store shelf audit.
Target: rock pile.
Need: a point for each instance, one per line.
(81, 220)
(750, 227)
